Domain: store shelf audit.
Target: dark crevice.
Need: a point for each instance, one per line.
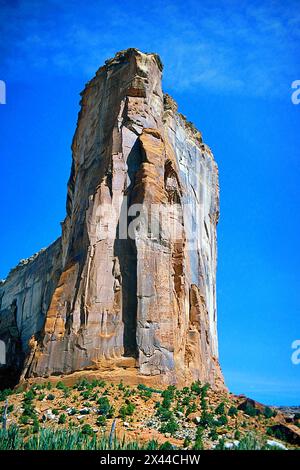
(125, 251)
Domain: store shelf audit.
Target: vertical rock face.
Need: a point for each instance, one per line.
(131, 283)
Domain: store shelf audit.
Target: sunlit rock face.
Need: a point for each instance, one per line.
(130, 287)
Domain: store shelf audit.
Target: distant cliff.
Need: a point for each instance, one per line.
(130, 287)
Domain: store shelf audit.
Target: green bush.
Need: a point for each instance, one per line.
(51, 397)
(250, 442)
(5, 393)
(104, 407)
(29, 396)
(186, 442)
(233, 411)
(169, 393)
(24, 419)
(101, 420)
(205, 389)
(36, 425)
(251, 411)
(220, 409)
(196, 387)
(222, 420)
(198, 444)
(87, 430)
(126, 410)
(192, 407)
(85, 394)
(163, 413)
(170, 426)
(150, 389)
(62, 419)
(60, 386)
(10, 409)
(206, 419)
(268, 413)
(213, 435)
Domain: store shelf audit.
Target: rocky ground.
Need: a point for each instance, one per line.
(192, 417)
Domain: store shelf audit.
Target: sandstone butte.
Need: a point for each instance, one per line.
(141, 308)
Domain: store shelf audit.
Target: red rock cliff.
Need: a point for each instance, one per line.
(131, 284)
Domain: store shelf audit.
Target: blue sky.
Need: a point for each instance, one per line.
(229, 65)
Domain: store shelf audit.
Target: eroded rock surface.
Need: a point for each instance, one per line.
(114, 292)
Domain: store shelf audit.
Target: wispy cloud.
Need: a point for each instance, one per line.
(226, 46)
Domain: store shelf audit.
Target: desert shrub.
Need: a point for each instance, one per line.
(221, 444)
(222, 420)
(186, 401)
(169, 393)
(198, 444)
(232, 411)
(62, 419)
(276, 432)
(85, 394)
(29, 396)
(82, 384)
(166, 446)
(87, 430)
(10, 409)
(164, 414)
(220, 409)
(130, 408)
(249, 442)
(213, 435)
(101, 420)
(206, 419)
(98, 383)
(126, 410)
(205, 389)
(146, 394)
(5, 393)
(170, 426)
(35, 426)
(28, 408)
(145, 387)
(192, 407)
(121, 386)
(268, 412)
(196, 387)
(24, 419)
(104, 407)
(60, 386)
(186, 442)
(250, 410)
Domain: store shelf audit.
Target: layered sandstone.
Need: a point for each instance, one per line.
(112, 292)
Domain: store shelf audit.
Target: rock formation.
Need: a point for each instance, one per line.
(130, 287)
